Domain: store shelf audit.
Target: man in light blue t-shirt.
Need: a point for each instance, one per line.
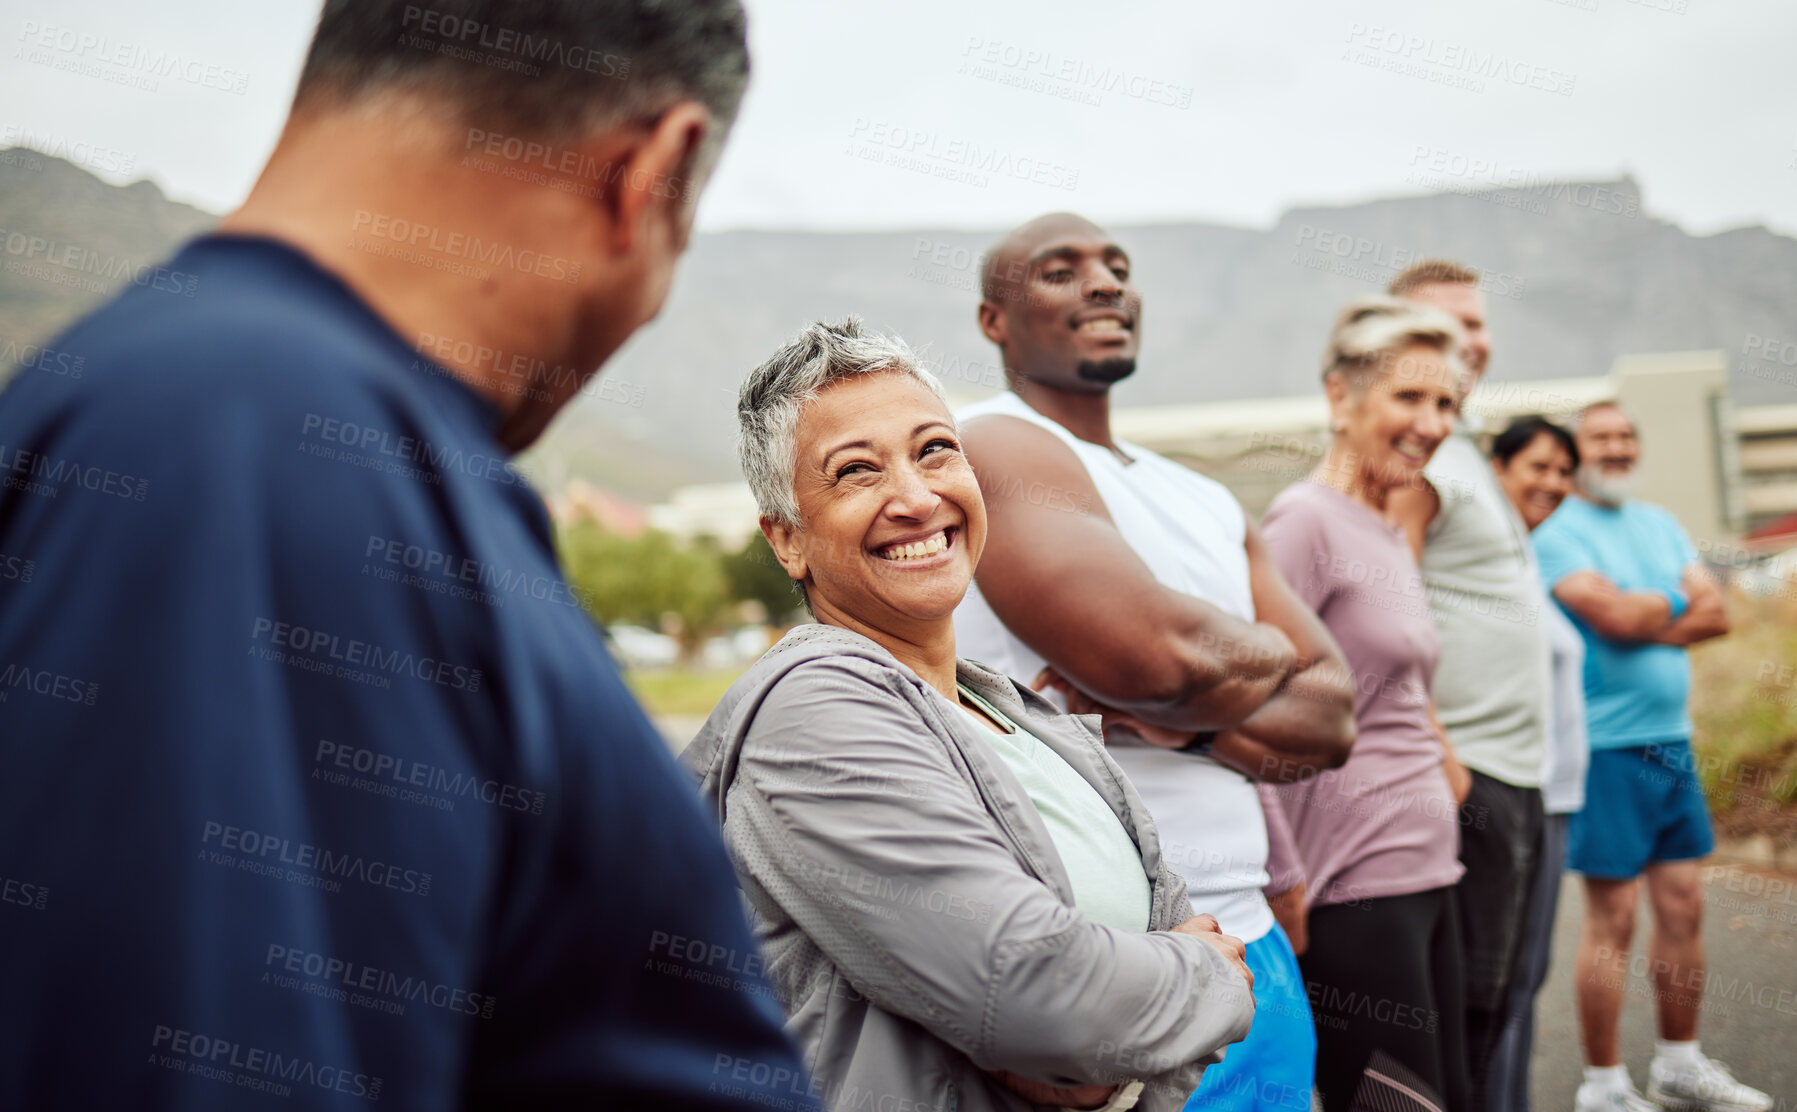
(1628, 577)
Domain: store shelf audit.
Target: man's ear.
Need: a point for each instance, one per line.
(646, 172)
(780, 538)
(993, 323)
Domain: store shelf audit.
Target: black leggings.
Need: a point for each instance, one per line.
(1384, 974)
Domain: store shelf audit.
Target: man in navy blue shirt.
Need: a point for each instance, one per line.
(316, 783)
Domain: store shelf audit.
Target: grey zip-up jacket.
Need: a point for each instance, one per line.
(916, 921)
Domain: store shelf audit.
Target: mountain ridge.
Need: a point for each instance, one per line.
(1577, 273)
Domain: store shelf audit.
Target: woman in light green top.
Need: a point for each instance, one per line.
(960, 896)
(1102, 862)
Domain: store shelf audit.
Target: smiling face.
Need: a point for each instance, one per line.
(1609, 449)
(1537, 479)
(1062, 306)
(892, 519)
(1392, 422)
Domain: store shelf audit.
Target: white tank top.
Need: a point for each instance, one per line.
(1190, 531)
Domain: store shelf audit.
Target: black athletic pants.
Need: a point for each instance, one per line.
(1384, 974)
(1500, 845)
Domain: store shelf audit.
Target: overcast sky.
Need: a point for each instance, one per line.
(877, 114)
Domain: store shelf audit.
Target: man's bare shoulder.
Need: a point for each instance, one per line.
(1005, 437)
(1006, 450)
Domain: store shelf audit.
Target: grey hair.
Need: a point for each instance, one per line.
(774, 394)
(1578, 421)
(554, 69)
(1373, 330)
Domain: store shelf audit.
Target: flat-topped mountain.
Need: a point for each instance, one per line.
(1576, 274)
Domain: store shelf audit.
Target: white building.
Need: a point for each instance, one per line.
(725, 511)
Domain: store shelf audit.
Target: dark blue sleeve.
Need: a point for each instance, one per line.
(635, 974)
(274, 822)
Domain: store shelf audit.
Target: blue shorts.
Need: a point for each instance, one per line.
(1274, 1068)
(1643, 804)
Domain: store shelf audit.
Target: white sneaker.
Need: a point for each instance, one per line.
(1607, 1098)
(1705, 1087)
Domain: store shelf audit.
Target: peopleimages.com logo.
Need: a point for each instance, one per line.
(118, 61)
(242, 848)
(242, 1065)
(61, 263)
(286, 640)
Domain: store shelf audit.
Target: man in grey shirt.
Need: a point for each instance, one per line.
(1493, 687)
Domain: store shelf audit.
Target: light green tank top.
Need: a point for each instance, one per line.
(1109, 884)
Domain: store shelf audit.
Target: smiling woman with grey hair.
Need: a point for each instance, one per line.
(961, 897)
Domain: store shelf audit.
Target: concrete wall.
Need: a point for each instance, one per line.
(1719, 471)
(1690, 461)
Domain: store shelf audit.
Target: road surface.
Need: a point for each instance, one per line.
(1749, 1015)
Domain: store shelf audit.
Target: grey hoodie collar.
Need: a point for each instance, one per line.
(712, 754)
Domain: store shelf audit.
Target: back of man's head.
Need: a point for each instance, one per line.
(549, 69)
(567, 140)
(1431, 272)
(1454, 289)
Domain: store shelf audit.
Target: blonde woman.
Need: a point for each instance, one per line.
(1379, 836)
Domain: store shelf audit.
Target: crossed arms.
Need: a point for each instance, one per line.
(1645, 617)
(1276, 692)
(851, 823)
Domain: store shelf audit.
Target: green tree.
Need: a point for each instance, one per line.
(646, 581)
(755, 576)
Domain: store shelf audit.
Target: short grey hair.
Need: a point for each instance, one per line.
(775, 393)
(1373, 330)
(1578, 420)
(553, 69)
